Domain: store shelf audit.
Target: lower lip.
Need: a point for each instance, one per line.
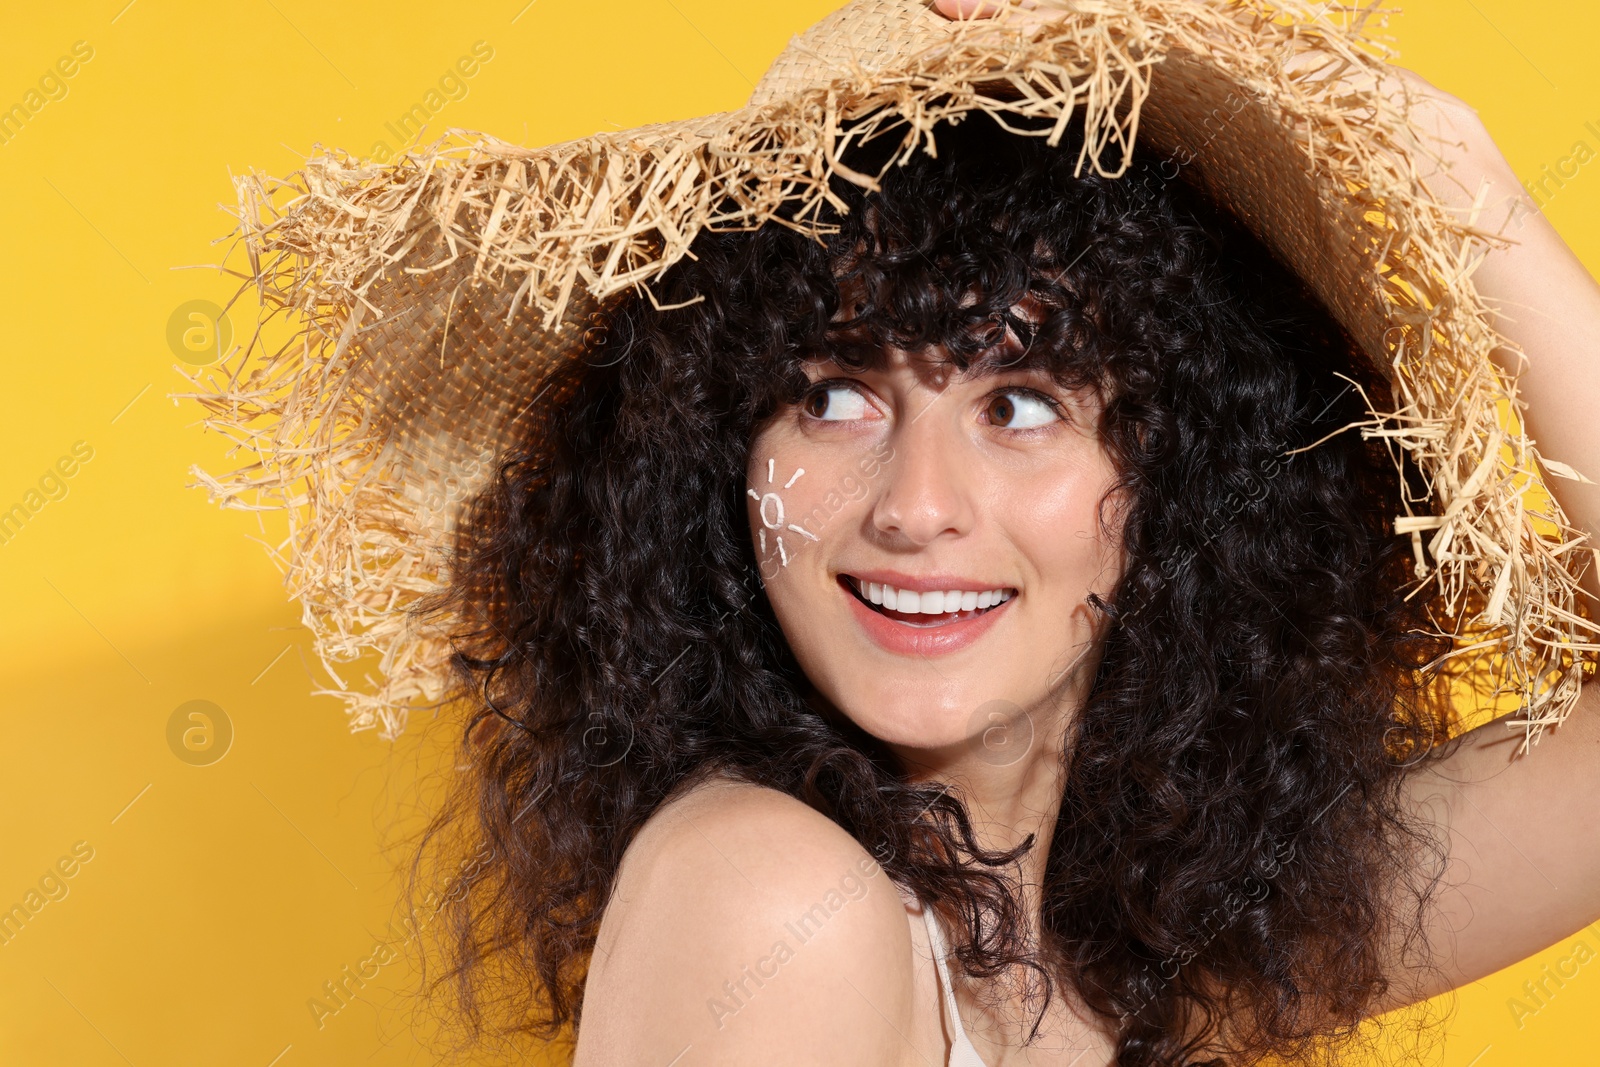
(906, 640)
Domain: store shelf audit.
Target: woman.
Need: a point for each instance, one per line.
(987, 439)
(979, 637)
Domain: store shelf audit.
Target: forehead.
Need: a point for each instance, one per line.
(985, 336)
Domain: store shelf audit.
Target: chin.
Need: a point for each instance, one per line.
(910, 710)
(908, 719)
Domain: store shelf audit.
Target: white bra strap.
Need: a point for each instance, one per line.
(962, 1052)
(936, 938)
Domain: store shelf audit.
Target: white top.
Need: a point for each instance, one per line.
(962, 1054)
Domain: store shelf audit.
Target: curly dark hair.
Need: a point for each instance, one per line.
(1233, 860)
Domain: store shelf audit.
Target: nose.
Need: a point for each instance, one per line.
(925, 492)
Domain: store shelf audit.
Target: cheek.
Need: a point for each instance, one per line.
(778, 504)
(1058, 523)
(798, 493)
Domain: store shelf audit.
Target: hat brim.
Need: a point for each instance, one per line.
(434, 294)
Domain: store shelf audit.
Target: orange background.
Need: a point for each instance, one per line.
(217, 900)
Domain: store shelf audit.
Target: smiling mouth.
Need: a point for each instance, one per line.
(911, 608)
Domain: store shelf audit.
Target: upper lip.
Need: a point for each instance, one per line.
(927, 582)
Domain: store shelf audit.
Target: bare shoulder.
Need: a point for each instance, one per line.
(754, 831)
(746, 926)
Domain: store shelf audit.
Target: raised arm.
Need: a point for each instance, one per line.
(1545, 301)
(1523, 846)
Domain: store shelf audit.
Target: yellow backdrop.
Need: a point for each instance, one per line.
(186, 909)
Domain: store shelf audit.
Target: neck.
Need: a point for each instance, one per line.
(1011, 779)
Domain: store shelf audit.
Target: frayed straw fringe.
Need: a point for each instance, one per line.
(390, 404)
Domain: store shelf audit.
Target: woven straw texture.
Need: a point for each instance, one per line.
(431, 295)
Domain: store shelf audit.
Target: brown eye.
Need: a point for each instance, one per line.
(834, 403)
(1019, 409)
(1000, 410)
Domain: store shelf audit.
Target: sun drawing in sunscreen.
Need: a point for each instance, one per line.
(770, 506)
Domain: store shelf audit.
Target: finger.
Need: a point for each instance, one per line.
(968, 9)
(1028, 10)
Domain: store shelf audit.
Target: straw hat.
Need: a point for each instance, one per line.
(432, 294)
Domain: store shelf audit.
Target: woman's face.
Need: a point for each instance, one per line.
(928, 539)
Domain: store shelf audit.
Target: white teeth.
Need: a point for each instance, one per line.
(933, 602)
